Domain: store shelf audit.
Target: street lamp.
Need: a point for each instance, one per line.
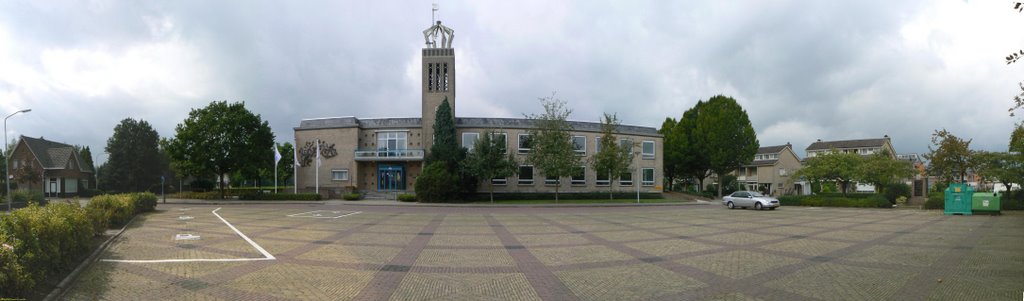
(638, 172)
(7, 165)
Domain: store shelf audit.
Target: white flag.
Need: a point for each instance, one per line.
(295, 153)
(318, 161)
(277, 156)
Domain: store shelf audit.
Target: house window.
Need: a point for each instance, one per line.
(597, 144)
(499, 181)
(626, 179)
(602, 179)
(579, 176)
(525, 175)
(551, 180)
(648, 149)
(469, 140)
(626, 144)
(392, 140)
(339, 175)
(525, 143)
(579, 144)
(648, 177)
(502, 140)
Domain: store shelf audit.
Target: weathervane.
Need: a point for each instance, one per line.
(430, 35)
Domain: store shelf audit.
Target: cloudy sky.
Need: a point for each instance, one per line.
(803, 70)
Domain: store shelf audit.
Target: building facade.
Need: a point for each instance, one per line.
(387, 154)
(52, 168)
(770, 171)
(863, 147)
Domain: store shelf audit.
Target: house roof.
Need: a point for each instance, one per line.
(54, 155)
(771, 149)
(841, 144)
(460, 122)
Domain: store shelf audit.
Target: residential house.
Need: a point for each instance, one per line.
(53, 168)
(863, 147)
(770, 171)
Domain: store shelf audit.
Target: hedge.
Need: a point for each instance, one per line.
(936, 200)
(563, 196)
(280, 196)
(407, 197)
(212, 195)
(351, 196)
(827, 200)
(44, 242)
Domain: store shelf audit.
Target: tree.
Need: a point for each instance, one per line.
(728, 138)
(690, 154)
(436, 183)
(133, 162)
(612, 158)
(490, 159)
(284, 168)
(881, 169)
(446, 147)
(950, 156)
(1005, 167)
(1018, 101)
(552, 151)
(222, 138)
(834, 166)
(672, 158)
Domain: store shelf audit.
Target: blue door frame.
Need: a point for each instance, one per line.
(390, 177)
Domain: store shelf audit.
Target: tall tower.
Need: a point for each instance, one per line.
(438, 76)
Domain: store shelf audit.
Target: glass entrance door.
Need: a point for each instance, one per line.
(390, 177)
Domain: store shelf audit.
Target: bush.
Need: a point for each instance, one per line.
(28, 197)
(437, 184)
(111, 209)
(280, 196)
(351, 196)
(144, 201)
(202, 185)
(88, 193)
(827, 200)
(407, 197)
(896, 190)
(37, 242)
(562, 196)
(212, 195)
(936, 200)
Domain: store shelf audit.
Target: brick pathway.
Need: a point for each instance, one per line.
(695, 252)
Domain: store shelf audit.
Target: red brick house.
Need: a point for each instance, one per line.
(53, 168)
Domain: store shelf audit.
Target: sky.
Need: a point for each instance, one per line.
(802, 70)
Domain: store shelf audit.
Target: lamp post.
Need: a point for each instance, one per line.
(7, 165)
(638, 172)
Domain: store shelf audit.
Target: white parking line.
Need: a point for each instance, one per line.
(322, 213)
(266, 255)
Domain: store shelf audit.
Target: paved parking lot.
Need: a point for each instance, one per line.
(693, 252)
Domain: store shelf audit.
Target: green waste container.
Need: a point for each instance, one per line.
(986, 202)
(958, 199)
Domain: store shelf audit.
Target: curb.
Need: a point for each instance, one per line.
(525, 205)
(61, 288)
(243, 203)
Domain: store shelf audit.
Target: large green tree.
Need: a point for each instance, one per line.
(949, 156)
(728, 138)
(672, 158)
(222, 138)
(1018, 101)
(446, 146)
(834, 166)
(285, 168)
(552, 151)
(612, 158)
(133, 157)
(490, 159)
(881, 168)
(685, 147)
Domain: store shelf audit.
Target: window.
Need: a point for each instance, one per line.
(339, 175)
(392, 140)
(499, 181)
(648, 149)
(648, 177)
(549, 180)
(525, 175)
(501, 139)
(579, 176)
(602, 179)
(469, 140)
(597, 144)
(430, 77)
(525, 143)
(626, 144)
(626, 179)
(579, 144)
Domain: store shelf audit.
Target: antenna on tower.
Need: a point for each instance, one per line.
(433, 10)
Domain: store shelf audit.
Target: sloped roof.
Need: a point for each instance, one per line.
(841, 144)
(54, 155)
(771, 149)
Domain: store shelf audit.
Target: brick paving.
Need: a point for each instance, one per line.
(693, 252)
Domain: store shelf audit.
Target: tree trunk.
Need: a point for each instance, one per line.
(492, 191)
(610, 193)
(700, 185)
(220, 182)
(721, 182)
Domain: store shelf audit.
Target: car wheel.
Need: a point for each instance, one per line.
(730, 205)
(757, 206)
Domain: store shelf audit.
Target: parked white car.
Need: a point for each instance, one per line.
(750, 199)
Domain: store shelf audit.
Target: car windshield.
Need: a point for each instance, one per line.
(755, 194)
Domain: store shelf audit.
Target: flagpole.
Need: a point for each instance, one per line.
(317, 172)
(295, 168)
(275, 177)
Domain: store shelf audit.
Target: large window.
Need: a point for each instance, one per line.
(339, 175)
(579, 144)
(597, 144)
(579, 176)
(602, 179)
(499, 181)
(502, 140)
(648, 177)
(469, 140)
(392, 140)
(525, 175)
(648, 149)
(525, 143)
(626, 179)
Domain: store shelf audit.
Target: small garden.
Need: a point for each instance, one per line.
(893, 194)
(40, 244)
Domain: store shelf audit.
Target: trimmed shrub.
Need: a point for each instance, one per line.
(896, 190)
(563, 196)
(27, 197)
(37, 242)
(114, 209)
(351, 196)
(436, 184)
(407, 197)
(88, 193)
(212, 195)
(826, 200)
(280, 196)
(935, 201)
